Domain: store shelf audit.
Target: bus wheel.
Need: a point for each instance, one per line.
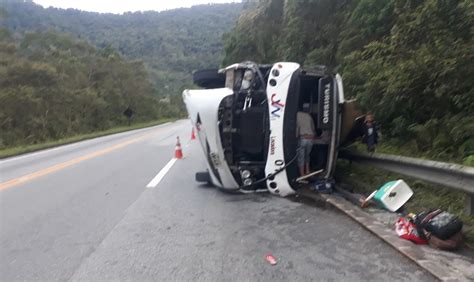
(203, 176)
(209, 79)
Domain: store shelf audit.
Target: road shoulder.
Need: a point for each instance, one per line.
(446, 266)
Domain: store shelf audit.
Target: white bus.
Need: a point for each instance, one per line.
(245, 120)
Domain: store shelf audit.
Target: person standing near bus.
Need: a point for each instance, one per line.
(370, 132)
(305, 132)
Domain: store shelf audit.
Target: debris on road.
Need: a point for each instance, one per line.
(353, 198)
(323, 186)
(271, 259)
(393, 195)
(365, 202)
(309, 175)
(438, 228)
(407, 230)
(442, 229)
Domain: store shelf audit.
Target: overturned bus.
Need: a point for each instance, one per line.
(245, 120)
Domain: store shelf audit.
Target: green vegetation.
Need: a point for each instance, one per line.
(68, 73)
(397, 147)
(172, 44)
(13, 151)
(409, 62)
(53, 87)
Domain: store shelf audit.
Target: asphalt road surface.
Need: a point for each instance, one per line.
(84, 212)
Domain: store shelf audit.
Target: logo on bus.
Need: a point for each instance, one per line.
(277, 106)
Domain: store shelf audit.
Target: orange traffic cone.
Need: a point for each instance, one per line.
(193, 135)
(178, 152)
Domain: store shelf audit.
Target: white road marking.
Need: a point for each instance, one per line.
(157, 179)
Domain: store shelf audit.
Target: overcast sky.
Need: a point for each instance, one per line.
(120, 6)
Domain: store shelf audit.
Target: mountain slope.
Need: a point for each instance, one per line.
(171, 43)
(410, 62)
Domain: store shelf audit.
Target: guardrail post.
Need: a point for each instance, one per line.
(469, 208)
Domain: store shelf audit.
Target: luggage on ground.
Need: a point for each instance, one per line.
(407, 230)
(439, 223)
(441, 229)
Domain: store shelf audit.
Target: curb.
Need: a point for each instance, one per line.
(443, 265)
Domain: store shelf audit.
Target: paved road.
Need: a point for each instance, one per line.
(83, 212)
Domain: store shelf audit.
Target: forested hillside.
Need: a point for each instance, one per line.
(410, 62)
(68, 72)
(172, 44)
(54, 86)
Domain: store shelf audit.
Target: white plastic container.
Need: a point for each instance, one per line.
(393, 195)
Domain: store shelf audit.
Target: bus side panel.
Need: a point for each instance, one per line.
(329, 118)
(277, 97)
(289, 127)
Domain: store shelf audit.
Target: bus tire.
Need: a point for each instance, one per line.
(209, 79)
(203, 176)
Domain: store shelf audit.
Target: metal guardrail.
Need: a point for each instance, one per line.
(454, 176)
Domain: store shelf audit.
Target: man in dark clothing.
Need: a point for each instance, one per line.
(370, 133)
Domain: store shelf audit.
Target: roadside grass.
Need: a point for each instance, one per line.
(364, 179)
(18, 150)
(410, 149)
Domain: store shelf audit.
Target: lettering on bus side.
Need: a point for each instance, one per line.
(276, 106)
(326, 96)
(327, 92)
(272, 145)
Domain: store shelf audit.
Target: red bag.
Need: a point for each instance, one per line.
(407, 230)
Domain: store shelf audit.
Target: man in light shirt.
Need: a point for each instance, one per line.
(305, 132)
